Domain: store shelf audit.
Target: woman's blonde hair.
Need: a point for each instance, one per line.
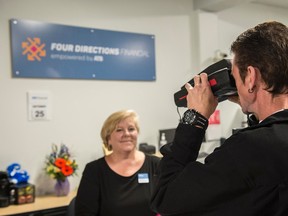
(113, 120)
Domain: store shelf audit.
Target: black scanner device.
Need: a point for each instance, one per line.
(221, 81)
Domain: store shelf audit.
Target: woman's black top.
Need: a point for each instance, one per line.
(102, 192)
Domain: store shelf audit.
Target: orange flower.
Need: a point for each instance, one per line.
(60, 162)
(67, 170)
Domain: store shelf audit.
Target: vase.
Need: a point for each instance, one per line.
(62, 188)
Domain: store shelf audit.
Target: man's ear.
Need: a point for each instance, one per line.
(251, 76)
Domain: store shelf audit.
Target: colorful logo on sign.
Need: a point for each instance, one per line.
(33, 49)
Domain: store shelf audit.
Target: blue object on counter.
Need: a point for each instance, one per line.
(16, 175)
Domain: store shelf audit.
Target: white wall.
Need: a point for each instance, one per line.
(79, 107)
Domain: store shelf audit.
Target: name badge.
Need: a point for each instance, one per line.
(143, 178)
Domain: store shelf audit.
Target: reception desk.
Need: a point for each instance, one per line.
(46, 205)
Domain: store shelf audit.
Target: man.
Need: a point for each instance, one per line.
(248, 174)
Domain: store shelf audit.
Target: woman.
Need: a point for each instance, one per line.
(121, 182)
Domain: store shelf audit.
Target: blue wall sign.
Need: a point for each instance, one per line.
(45, 50)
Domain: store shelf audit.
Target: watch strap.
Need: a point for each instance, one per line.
(200, 121)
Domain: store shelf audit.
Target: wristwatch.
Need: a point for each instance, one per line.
(192, 117)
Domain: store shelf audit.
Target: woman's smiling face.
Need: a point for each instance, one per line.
(124, 137)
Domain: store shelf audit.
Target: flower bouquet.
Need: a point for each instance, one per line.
(59, 166)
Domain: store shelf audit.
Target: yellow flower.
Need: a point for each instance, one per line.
(57, 170)
(68, 162)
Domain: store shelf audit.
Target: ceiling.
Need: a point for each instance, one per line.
(218, 5)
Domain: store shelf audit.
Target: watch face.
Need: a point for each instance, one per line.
(189, 117)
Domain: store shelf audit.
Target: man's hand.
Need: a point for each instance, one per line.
(200, 97)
